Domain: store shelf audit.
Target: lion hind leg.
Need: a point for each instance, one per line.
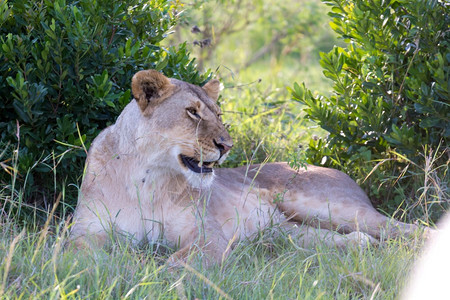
(372, 222)
(309, 237)
(349, 216)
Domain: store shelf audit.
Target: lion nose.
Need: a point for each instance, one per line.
(223, 147)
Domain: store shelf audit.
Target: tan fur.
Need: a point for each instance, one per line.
(137, 185)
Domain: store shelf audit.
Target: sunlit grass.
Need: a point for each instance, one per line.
(265, 267)
(265, 123)
(279, 73)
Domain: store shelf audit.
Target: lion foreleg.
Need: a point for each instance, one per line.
(208, 241)
(87, 242)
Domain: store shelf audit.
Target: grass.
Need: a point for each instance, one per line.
(36, 266)
(265, 123)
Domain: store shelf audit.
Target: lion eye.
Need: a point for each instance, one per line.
(192, 112)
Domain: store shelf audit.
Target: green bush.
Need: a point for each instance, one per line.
(390, 94)
(65, 74)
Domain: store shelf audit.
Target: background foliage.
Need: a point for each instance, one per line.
(65, 74)
(390, 93)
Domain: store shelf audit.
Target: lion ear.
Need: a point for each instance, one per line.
(212, 89)
(150, 87)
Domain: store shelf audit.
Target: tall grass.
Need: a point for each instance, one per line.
(423, 193)
(266, 125)
(265, 267)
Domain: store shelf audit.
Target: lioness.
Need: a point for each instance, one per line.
(151, 177)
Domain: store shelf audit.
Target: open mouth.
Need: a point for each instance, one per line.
(196, 166)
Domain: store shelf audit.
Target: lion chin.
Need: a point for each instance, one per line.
(200, 181)
(198, 174)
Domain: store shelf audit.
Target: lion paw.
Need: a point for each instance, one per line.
(360, 239)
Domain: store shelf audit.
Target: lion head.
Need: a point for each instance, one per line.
(182, 123)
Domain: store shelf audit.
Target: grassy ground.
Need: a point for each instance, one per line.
(35, 266)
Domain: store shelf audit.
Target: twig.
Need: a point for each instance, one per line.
(407, 69)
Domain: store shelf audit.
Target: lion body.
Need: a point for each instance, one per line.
(150, 177)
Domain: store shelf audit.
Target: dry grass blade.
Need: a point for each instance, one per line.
(9, 259)
(377, 288)
(206, 280)
(45, 229)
